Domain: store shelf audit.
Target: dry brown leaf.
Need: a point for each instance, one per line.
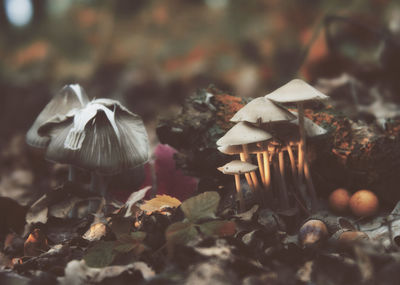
(159, 203)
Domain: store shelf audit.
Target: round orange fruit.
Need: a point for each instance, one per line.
(339, 200)
(364, 203)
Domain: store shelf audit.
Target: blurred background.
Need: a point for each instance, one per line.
(151, 55)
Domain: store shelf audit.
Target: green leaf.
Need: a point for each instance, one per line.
(181, 233)
(100, 255)
(201, 206)
(218, 228)
(131, 242)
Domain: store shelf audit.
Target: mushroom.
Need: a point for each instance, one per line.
(299, 92)
(237, 167)
(243, 134)
(103, 137)
(69, 97)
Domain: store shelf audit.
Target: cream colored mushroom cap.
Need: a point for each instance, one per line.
(237, 149)
(296, 91)
(237, 167)
(262, 110)
(243, 133)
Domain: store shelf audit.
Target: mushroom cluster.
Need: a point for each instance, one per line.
(101, 136)
(275, 134)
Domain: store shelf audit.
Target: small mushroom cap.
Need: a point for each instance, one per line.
(261, 110)
(98, 138)
(237, 167)
(243, 133)
(69, 97)
(296, 91)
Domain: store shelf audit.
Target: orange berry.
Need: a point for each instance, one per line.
(364, 203)
(339, 200)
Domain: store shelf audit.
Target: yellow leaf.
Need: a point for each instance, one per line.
(159, 203)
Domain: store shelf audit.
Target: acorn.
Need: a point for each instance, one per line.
(346, 238)
(339, 200)
(312, 232)
(364, 203)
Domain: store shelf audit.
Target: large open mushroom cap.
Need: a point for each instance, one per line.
(98, 139)
(237, 167)
(70, 97)
(296, 91)
(243, 133)
(261, 110)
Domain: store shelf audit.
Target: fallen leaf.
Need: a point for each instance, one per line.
(101, 254)
(133, 199)
(181, 233)
(218, 228)
(202, 206)
(131, 243)
(95, 232)
(36, 243)
(159, 203)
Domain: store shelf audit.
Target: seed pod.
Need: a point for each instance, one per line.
(312, 232)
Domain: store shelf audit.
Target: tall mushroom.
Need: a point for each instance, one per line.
(103, 137)
(68, 98)
(298, 91)
(244, 134)
(237, 168)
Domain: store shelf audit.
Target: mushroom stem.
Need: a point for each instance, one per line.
(71, 173)
(284, 192)
(261, 166)
(304, 163)
(310, 186)
(302, 143)
(97, 185)
(267, 172)
(292, 162)
(247, 175)
(253, 175)
(239, 193)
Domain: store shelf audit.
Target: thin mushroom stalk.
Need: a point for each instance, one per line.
(267, 173)
(303, 163)
(253, 175)
(71, 173)
(239, 193)
(247, 175)
(284, 190)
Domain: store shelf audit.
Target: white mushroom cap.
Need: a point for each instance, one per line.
(243, 133)
(237, 167)
(69, 97)
(296, 91)
(98, 138)
(289, 132)
(262, 110)
(237, 149)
